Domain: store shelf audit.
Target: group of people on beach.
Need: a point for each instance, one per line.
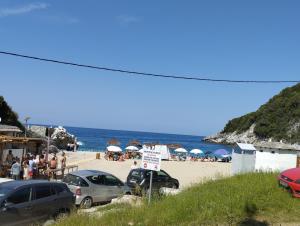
(31, 166)
(203, 159)
(119, 156)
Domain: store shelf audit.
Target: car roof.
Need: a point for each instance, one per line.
(293, 173)
(19, 183)
(85, 173)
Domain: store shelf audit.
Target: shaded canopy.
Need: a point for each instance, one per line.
(113, 141)
(174, 146)
(134, 143)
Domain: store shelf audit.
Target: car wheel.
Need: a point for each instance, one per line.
(86, 203)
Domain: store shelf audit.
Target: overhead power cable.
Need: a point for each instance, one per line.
(185, 77)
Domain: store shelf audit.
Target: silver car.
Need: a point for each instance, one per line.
(93, 186)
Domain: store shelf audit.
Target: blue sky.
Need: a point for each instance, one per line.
(216, 39)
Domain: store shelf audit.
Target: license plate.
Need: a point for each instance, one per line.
(283, 183)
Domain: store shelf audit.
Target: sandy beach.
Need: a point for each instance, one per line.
(186, 172)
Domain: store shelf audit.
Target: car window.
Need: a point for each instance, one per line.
(43, 191)
(148, 174)
(111, 180)
(75, 180)
(136, 174)
(96, 179)
(162, 174)
(20, 196)
(59, 189)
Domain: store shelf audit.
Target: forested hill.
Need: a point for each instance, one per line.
(278, 121)
(279, 118)
(7, 115)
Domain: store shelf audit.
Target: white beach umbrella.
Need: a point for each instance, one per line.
(131, 148)
(196, 151)
(181, 150)
(141, 150)
(113, 148)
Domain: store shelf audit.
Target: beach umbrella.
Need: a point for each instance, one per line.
(221, 152)
(196, 151)
(131, 148)
(113, 148)
(134, 143)
(151, 145)
(113, 142)
(174, 146)
(180, 150)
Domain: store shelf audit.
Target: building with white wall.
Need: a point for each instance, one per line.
(266, 157)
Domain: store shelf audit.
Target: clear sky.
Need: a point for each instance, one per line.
(216, 39)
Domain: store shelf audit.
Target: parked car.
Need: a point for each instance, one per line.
(224, 158)
(290, 180)
(93, 186)
(32, 201)
(139, 180)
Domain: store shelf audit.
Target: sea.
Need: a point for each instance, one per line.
(96, 139)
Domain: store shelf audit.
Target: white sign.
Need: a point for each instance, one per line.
(151, 159)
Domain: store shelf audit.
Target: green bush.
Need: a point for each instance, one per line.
(273, 119)
(8, 116)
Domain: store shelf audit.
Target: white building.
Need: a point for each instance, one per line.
(264, 157)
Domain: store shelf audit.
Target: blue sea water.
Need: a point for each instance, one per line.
(96, 139)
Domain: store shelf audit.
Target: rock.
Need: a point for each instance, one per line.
(169, 191)
(49, 222)
(231, 138)
(62, 139)
(128, 199)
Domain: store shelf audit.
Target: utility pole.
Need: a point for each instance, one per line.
(26, 125)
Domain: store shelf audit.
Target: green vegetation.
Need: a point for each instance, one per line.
(239, 200)
(8, 116)
(279, 118)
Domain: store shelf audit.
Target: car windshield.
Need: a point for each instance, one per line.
(75, 180)
(4, 191)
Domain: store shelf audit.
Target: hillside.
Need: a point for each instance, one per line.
(250, 199)
(7, 115)
(278, 120)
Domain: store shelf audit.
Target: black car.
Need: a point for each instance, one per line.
(32, 201)
(139, 180)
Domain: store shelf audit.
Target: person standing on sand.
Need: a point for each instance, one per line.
(15, 170)
(25, 170)
(63, 162)
(53, 166)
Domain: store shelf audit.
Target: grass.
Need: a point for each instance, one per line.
(247, 199)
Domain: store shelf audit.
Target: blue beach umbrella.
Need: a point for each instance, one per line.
(221, 152)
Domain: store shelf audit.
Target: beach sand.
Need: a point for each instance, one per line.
(186, 172)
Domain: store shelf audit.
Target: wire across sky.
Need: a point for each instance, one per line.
(136, 73)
